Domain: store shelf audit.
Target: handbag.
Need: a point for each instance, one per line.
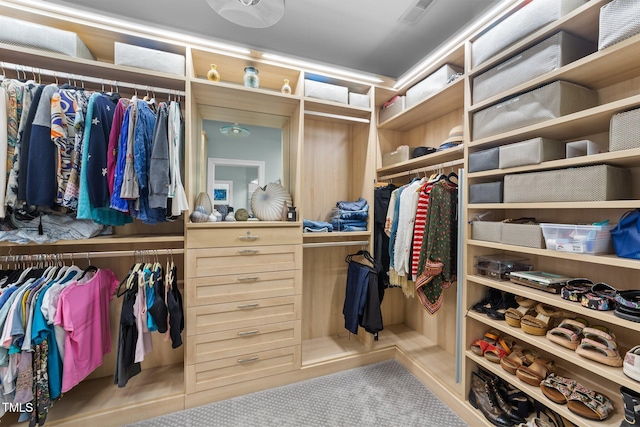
(626, 235)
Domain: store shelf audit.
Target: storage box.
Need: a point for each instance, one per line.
(487, 192)
(401, 154)
(530, 152)
(484, 160)
(397, 107)
(582, 148)
(498, 266)
(557, 51)
(624, 132)
(27, 34)
(584, 184)
(326, 91)
(359, 100)
(529, 235)
(431, 84)
(488, 231)
(619, 20)
(548, 102)
(587, 239)
(149, 59)
(524, 21)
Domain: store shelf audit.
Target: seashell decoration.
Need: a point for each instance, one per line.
(268, 202)
(242, 215)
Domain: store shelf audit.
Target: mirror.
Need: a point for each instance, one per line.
(253, 153)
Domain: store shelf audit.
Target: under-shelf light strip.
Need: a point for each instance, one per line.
(89, 255)
(77, 78)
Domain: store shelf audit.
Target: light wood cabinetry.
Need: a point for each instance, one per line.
(613, 72)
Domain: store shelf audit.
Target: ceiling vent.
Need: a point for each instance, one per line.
(413, 14)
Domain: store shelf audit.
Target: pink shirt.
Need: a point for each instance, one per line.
(83, 311)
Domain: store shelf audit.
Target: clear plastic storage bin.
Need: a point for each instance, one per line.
(587, 239)
(498, 267)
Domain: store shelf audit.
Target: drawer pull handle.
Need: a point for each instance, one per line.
(243, 306)
(244, 333)
(248, 238)
(248, 279)
(248, 251)
(251, 359)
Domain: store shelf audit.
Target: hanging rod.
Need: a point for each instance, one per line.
(106, 254)
(78, 77)
(342, 243)
(424, 169)
(336, 116)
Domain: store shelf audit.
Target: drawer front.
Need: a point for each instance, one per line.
(219, 345)
(243, 236)
(242, 314)
(247, 260)
(241, 367)
(239, 287)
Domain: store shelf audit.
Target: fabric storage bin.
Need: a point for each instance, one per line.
(149, 59)
(27, 34)
(529, 18)
(624, 132)
(548, 102)
(530, 152)
(359, 100)
(401, 154)
(484, 160)
(326, 91)
(529, 235)
(619, 20)
(584, 184)
(397, 107)
(431, 84)
(488, 231)
(556, 51)
(487, 192)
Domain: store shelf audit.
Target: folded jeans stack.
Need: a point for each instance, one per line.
(350, 216)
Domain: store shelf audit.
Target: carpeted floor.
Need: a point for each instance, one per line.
(383, 394)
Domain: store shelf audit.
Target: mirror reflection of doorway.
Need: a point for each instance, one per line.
(235, 179)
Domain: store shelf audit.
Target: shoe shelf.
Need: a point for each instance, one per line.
(609, 260)
(613, 421)
(559, 354)
(556, 301)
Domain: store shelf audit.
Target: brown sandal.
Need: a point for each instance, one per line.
(513, 315)
(518, 357)
(539, 324)
(536, 372)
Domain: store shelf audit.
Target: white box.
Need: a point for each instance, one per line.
(149, 59)
(359, 100)
(326, 91)
(583, 148)
(588, 239)
(397, 107)
(431, 84)
(22, 33)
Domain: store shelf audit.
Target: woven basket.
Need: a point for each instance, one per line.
(619, 20)
(625, 131)
(488, 231)
(529, 235)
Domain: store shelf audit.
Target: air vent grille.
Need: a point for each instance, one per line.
(413, 14)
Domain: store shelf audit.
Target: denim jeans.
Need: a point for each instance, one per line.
(311, 226)
(352, 206)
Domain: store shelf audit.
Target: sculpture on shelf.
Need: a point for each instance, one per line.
(269, 202)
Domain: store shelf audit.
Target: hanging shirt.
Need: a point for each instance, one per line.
(130, 189)
(70, 199)
(159, 165)
(178, 197)
(63, 116)
(26, 144)
(14, 89)
(4, 114)
(114, 139)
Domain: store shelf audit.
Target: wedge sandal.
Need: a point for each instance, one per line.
(513, 315)
(536, 372)
(539, 324)
(589, 404)
(568, 333)
(600, 346)
(518, 357)
(501, 348)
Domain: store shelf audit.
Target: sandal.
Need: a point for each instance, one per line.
(575, 289)
(558, 389)
(539, 324)
(599, 345)
(517, 358)
(589, 404)
(568, 333)
(601, 297)
(513, 315)
(497, 351)
(536, 372)
(480, 345)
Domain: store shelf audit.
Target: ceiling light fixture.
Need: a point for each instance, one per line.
(316, 67)
(249, 13)
(235, 131)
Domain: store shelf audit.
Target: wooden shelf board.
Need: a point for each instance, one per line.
(336, 108)
(556, 301)
(622, 158)
(610, 260)
(587, 122)
(109, 240)
(342, 235)
(444, 156)
(449, 99)
(535, 392)
(331, 348)
(243, 224)
(613, 204)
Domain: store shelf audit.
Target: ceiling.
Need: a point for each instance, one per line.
(363, 35)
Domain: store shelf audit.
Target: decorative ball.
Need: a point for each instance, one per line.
(242, 215)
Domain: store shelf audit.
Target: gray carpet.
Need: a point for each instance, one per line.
(382, 394)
